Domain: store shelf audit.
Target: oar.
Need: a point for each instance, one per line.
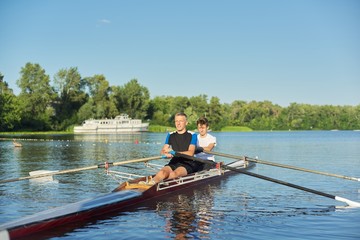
(337, 198)
(282, 165)
(102, 165)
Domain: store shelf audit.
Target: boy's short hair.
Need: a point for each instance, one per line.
(202, 121)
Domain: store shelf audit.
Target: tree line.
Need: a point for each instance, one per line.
(71, 99)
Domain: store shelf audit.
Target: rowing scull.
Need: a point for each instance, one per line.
(127, 194)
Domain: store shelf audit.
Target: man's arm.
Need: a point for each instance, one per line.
(165, 149)
(190, 151)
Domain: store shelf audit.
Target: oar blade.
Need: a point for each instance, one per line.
(48, 176)
(348, 202)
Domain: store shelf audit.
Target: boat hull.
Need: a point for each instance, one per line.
(59, 216)
(118, 200)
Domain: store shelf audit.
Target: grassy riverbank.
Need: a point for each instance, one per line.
(36, 133)
(235, 129)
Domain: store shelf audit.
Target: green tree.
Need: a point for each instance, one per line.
(9, 110)
(266, 114)
(216, 115)
(132, 99)
(192, 117)
(328, 117)
(159, 110)
(4, 86)
(200, 105)
(295, 116)
(36, 98)
(87, 110)
(71, 96)
(236, 115)
(179, 104)
(350, 117)
(99, 91)
(355, 118)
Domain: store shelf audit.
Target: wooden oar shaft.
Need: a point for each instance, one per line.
(283, 165)
(243, 171)
(102, 165)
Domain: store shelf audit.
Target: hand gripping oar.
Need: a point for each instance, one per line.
(337, 198)
(102, 165)
(282, 165)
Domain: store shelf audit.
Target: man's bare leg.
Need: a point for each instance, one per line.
(163, 174)
(179, 172)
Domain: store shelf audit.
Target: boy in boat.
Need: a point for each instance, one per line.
(180, 141)
(205, 141)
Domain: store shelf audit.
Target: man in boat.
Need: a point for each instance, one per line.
(181, 141)
(205, 141)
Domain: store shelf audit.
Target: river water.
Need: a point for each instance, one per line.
(239, 207)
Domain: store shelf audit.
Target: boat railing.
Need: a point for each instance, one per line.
(189, 179)
(198, 176)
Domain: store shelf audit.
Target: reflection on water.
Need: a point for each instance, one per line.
(188, 215)
(125, 138)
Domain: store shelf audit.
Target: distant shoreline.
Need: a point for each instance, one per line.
(165, 129)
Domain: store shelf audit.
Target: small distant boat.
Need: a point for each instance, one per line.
(120, 124)
(16, 144)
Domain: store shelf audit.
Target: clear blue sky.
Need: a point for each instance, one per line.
(303, 51)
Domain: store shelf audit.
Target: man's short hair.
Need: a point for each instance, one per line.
(181, 114)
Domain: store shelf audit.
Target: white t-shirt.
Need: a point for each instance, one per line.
(204, 142)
